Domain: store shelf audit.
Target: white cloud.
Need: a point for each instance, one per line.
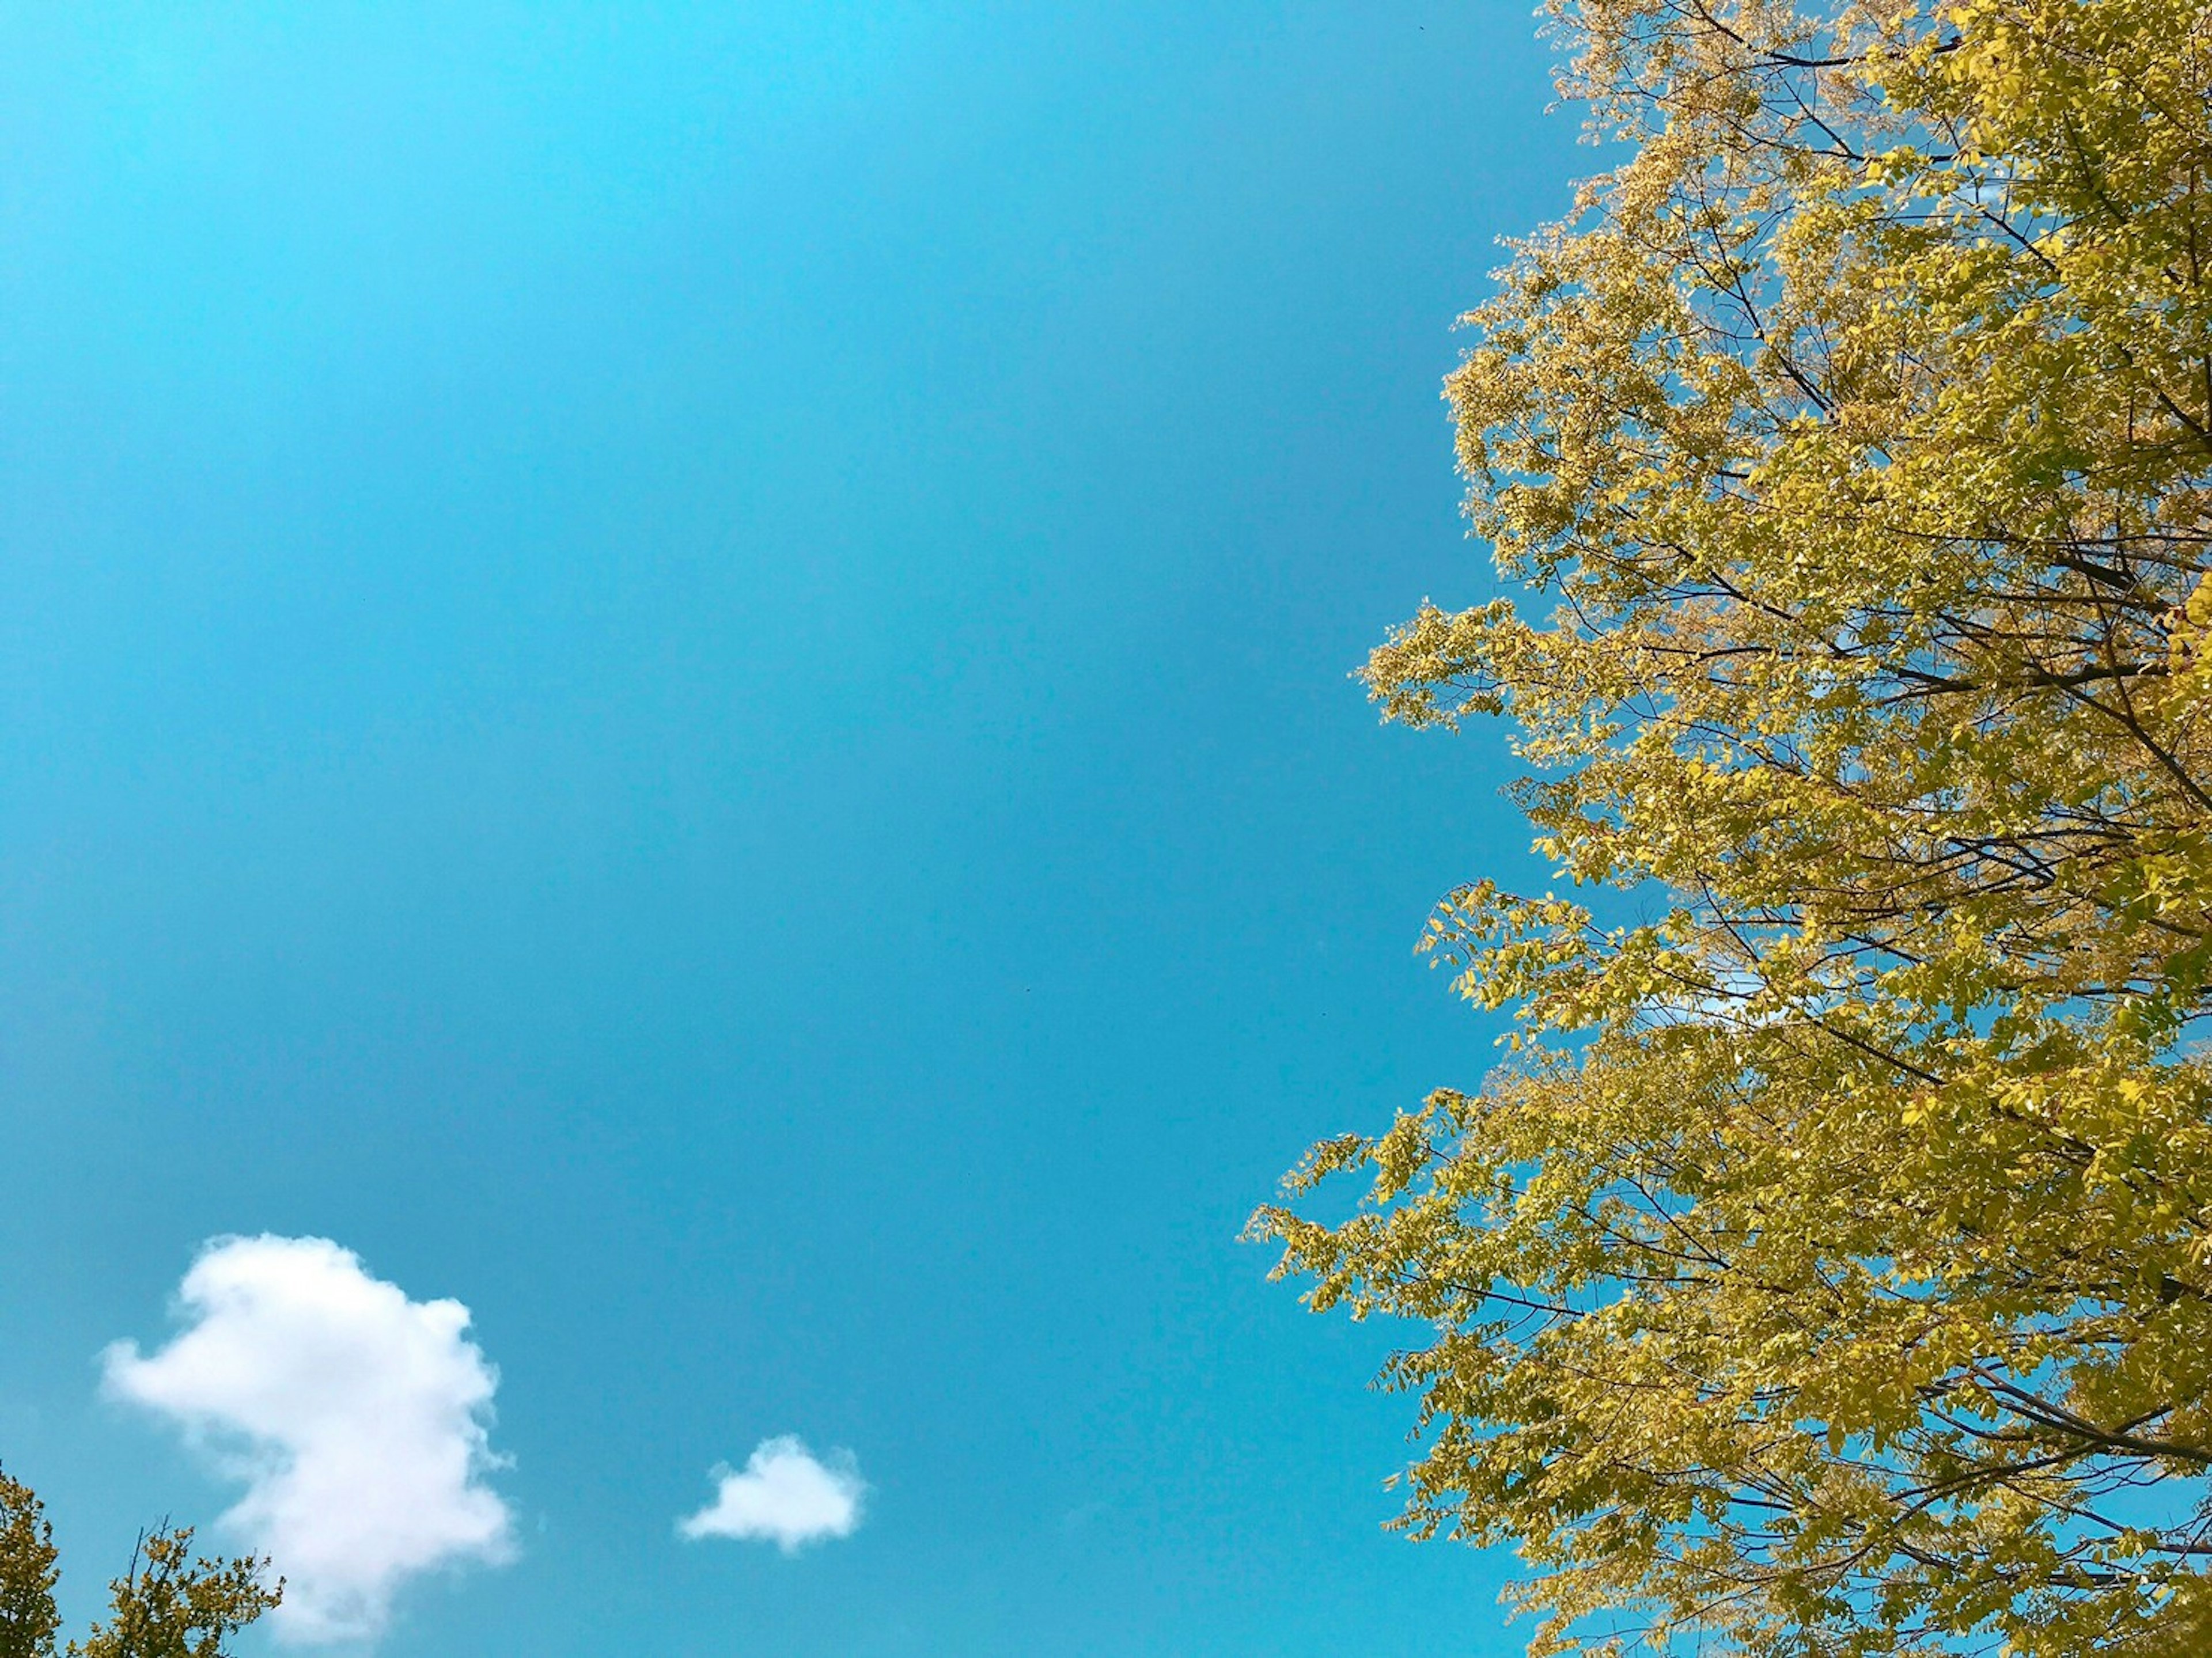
(358, 1420)
(784, 1496)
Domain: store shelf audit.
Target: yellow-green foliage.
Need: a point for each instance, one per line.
(166, 1606)
(1829, 1270)
(27, 1619)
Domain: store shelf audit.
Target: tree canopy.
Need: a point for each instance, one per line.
(168, 1605)
(1828, 1267)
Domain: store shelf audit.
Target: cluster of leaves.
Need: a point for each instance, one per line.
(167, 1606)
(1829, 1271)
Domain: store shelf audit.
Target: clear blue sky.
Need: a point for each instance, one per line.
(681, 670)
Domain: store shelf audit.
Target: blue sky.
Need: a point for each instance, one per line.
(681, 672)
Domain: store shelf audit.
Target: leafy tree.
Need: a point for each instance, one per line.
(167, 1606)
(1828, 1268)
(27, 1618)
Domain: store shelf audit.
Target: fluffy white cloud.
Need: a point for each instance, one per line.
(784, 1496)
(358, 1419)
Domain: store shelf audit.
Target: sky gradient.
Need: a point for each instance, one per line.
(681, 672)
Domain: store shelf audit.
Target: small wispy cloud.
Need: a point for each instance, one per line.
(783, 1495)
(357, 1419)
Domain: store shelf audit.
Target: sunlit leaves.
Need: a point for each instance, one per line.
(27, 1575)
(168, 1605)
(1830, 1269)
